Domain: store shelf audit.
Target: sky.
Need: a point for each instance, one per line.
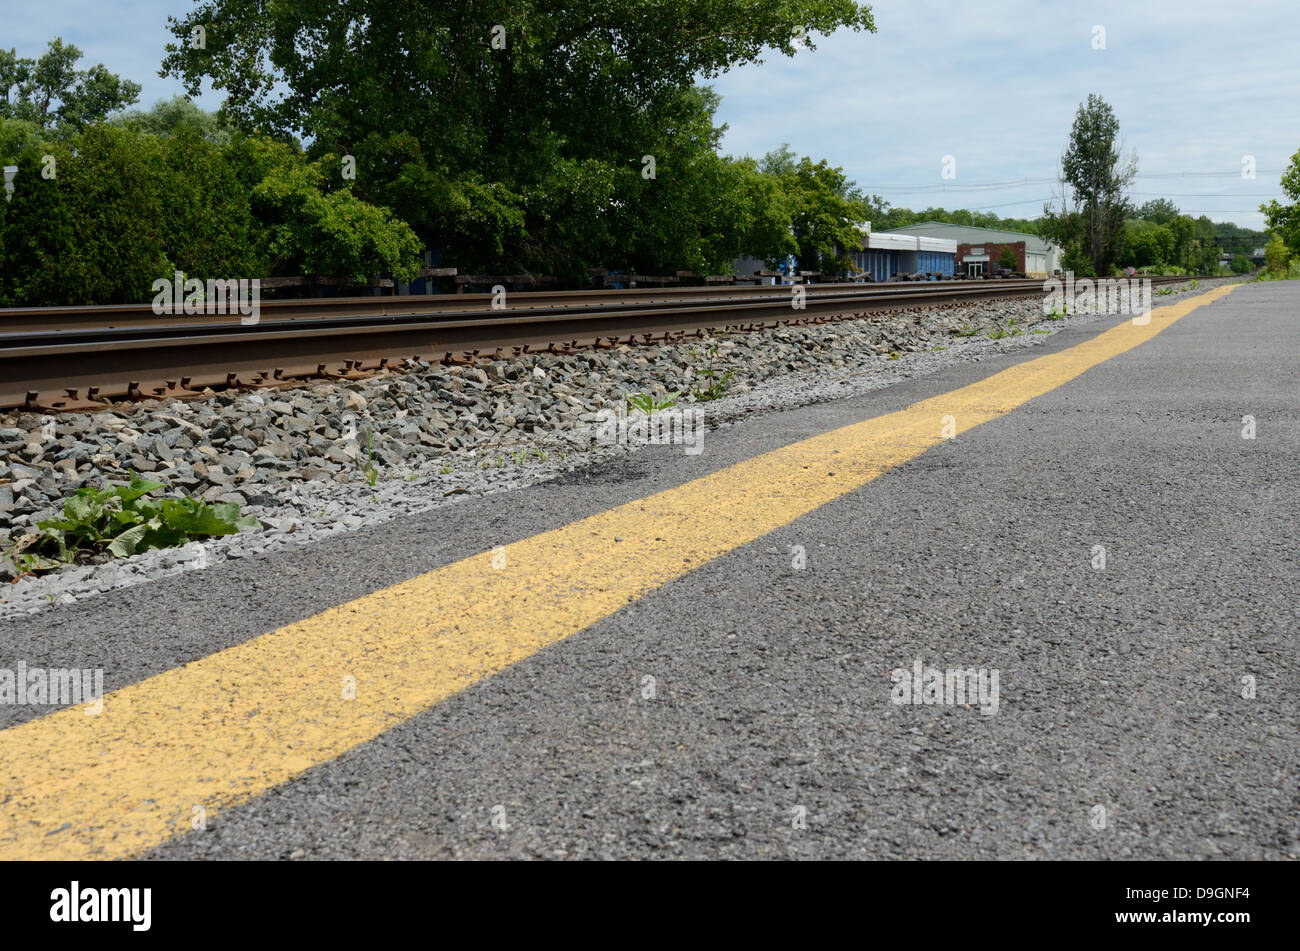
(1196, 86)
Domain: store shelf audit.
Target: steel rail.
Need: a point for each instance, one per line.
(76, 368)
(113, 316)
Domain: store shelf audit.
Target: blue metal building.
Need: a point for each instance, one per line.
(880, 264)
(885, 254)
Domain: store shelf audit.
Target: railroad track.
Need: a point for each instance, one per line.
(79, 358)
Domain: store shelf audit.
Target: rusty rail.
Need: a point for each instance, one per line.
(75, 359)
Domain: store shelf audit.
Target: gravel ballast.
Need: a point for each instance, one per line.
(331, 457)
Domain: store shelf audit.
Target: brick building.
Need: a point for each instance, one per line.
(975, 260)
(978, 248)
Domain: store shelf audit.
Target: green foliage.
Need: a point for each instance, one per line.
(309, 229)
(53, 94)
(207, 229)
(826, 210)
(1235, 238)
(1161, 211)
(125, 206)
(1009, 329)
(527, 155)
(122, 520)
(1074, 258)
(1007, 258)
(708, 368)
(16, 137)
(1276, 257)
(1284, 220)
(718, 384)
(121, 210)
(371, 470)
(646, 402)
(172, 116)
(884, 218)
(1147, 244)
(1290, 271)
(40, 239)
(1241, 264)
(1091, 224)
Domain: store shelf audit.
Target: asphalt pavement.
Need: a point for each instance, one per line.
(1117, 551)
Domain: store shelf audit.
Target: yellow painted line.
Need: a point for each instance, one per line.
(216, 732)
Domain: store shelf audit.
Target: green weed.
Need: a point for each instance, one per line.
(647, 404)
(122, 520)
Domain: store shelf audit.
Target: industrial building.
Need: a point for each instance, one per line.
(885, 254)
(978, 249)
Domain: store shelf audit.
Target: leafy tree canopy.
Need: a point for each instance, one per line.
(826, 210)
(169, 116)
(1284, 220)
(1160, 210)
(547, 134)
(1090, 223)
(1147, 244)
(53, 94)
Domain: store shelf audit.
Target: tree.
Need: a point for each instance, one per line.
(52, 93)
(530, 134)
(17, 136)
(309, 229)
(1160, 210)
(1275, 255)
(169, 116)
(826, 210)
(127, 207)
(43, 260)
(1147, 244)
(1241, 264)
(1207, 250)
(1007, 259)
(1185, 252)
(1235, 238)
(1284, 220)
(1090, 222)
(883, 218)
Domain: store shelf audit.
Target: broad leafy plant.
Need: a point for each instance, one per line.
(122, 520)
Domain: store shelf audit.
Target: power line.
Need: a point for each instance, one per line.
(1027, 201)
(1010, 184)
(1207, 195)
(1259, 171)
(946, 186)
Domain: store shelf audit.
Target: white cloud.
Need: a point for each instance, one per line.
(1195, 86)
